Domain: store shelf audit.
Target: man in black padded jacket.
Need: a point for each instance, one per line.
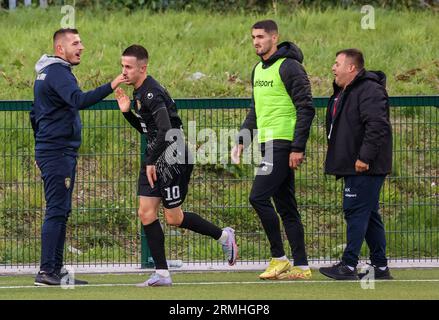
(359, 151)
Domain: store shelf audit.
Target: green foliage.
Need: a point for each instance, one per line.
(161, 5)
(253, 5)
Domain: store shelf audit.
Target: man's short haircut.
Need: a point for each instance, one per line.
(355, 55)
(269, 26)
(136, 51)
(61, 32)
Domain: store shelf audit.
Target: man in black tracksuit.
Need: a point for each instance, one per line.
(359, 151)
(57, 129)
(282, 113)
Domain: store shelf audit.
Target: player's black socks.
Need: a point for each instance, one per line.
(199, 225)
(156, 243)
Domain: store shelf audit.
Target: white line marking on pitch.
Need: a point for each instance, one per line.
(222, 283)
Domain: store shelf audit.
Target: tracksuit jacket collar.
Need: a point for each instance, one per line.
(377, 76)
(47, 60)
(284, 50)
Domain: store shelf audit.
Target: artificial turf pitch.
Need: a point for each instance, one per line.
(408, 284)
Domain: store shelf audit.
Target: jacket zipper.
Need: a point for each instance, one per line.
(337, 103)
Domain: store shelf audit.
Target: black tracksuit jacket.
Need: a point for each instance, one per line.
(361, 127)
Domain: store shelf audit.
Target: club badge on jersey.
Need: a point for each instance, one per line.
(137, 114)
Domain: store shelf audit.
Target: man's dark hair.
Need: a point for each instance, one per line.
(62, 32)
(269, 26)
(356, 56)
(136, 51)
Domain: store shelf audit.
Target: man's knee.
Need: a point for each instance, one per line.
(147, 215)
(255, 200)
(55, 217)
(57, 212)
(174, 217)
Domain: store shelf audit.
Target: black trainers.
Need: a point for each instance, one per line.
(47, 279)
(339, 271)
(378, 273)
(77, 282)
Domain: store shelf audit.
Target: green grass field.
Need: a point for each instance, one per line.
(408, 284)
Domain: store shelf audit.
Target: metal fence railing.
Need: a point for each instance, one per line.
(12, 4)
(104, 228)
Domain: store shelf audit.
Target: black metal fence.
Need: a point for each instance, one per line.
(104, 228)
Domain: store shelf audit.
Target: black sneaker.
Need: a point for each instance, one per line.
(339, 271)
(77, 282)
(379, 274)
(47, 279)
(64, 273)
(61, 272)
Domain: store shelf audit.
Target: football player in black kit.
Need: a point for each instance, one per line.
(165, 174)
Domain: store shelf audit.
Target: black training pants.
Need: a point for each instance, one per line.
(275, 180)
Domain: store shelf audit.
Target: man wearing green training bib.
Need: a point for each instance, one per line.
(280, 115)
